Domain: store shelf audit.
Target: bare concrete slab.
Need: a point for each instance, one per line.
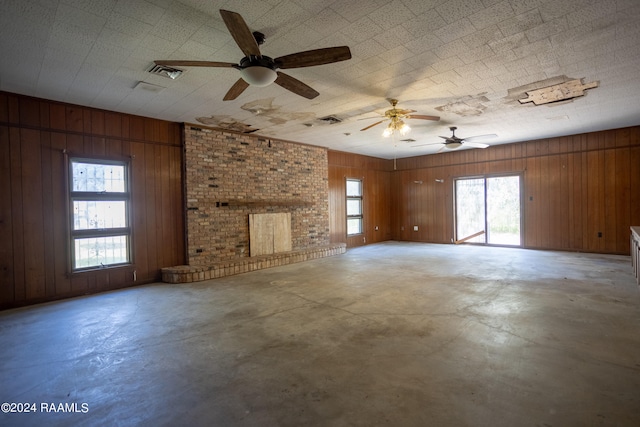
(397, 334)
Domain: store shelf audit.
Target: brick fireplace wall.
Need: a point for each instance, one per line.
(230, 175)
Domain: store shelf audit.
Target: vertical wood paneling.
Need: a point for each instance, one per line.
(150, 196)
(580, 185)
(622, 195)
(102, 280)
(113, 124)
(97, 122)
(80, 283)
(609, 188)
(561, 226)
(634, 197)
(48, 225)
(29, 112)
(34, 134)
(547, 198)
(139, 209)
(58, 215)
(137, 128)
(376, 195)
(532, 202)
(6, 212)
(96, 145)
(337, 208)
(163, 196)
(86, 121)
(394, 202)
(584, 199)
(126, 126)
(594, 201)
(574, 186)
(4, 108)
(57, 117)
(17, 215)
(74, 119)
(13, 107)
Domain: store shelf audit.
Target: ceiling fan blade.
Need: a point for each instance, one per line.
(310, 58)
(429, 143)
(296, 86)
(370, 126)
(423, 117)
(443, 147)
(473, 138)
(235, 91)
(405, 112)
(240, 33)
(172, 63)
(475, 144)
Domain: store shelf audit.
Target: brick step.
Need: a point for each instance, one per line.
(196, 273)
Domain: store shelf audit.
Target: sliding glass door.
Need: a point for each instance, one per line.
(488, 210)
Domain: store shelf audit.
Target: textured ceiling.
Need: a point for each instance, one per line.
(467, 61)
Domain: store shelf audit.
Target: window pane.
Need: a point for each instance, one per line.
(99, 214)
(100, 251)
(354, 187)
(503, 210)
(354, 225)
(98, 177)
(470, 209)
(354, 207)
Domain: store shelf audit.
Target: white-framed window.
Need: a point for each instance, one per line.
(354, 206)
(99, 213)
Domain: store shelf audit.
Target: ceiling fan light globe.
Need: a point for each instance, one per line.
(258, 75)
(453, 145)
(404, 129)
(387, 132)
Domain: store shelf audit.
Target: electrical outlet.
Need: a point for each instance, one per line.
(376, 228)
(415, 228)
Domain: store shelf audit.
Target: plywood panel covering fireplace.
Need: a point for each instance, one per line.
(269, 233)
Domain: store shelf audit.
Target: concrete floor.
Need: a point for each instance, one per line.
(394, 334)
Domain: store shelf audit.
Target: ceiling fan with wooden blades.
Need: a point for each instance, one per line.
(260, 70)
(453, 142)
(396, 119)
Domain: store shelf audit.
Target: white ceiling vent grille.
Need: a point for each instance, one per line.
(164, 71)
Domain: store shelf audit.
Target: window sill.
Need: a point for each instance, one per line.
(97, 269)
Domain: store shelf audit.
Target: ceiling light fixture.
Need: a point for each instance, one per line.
(453, 145)
(396, 124)
(257, 75)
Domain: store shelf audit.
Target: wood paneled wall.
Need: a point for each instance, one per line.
(33, 213)
(576, 188)
(376, 176)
